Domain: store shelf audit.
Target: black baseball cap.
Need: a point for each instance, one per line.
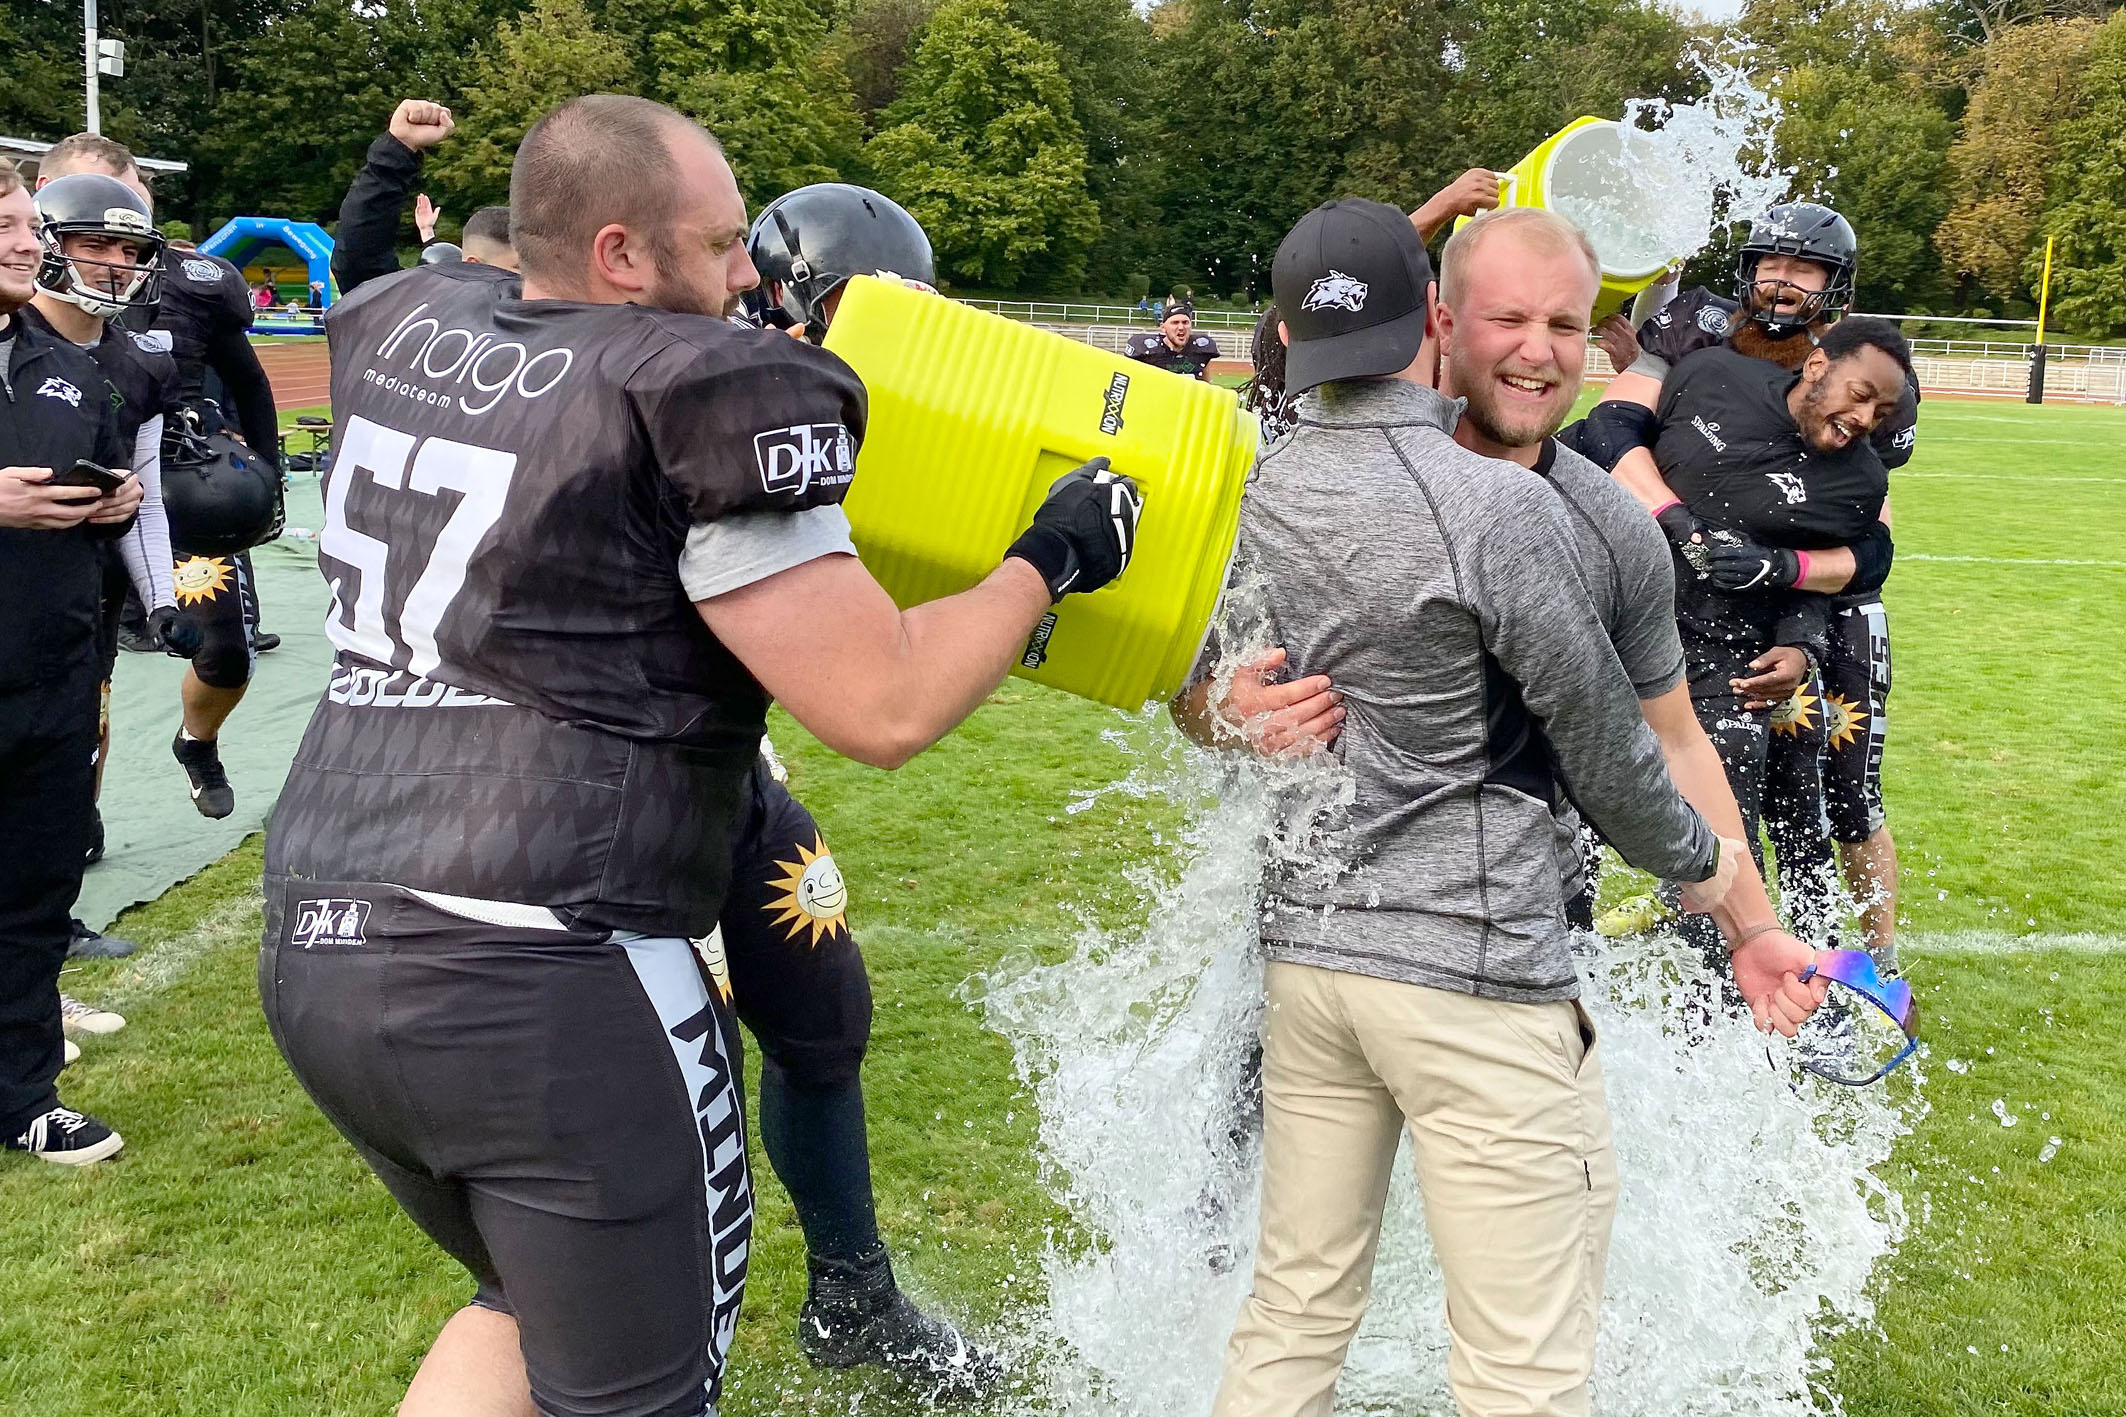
(1350, 282)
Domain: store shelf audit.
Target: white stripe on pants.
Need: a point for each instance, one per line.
(1511, 1137)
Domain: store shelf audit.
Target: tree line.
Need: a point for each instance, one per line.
(1085, 147)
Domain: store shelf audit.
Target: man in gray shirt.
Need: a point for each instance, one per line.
(1429, 983)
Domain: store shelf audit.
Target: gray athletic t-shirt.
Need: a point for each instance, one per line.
(1442, 592)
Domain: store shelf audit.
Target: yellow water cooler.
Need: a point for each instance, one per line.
(973, 416)
(1579, 173)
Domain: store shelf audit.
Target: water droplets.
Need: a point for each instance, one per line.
(2050, 1149)
(2002, 1114)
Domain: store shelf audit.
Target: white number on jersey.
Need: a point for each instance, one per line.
(369, 449)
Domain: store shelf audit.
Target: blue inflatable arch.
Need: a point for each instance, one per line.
(244, 235)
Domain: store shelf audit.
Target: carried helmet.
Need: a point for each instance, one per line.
(437, 253)
(811, 241)
(89, 203)
(222, 498)
(1812, 232)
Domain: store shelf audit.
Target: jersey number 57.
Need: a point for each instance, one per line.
(391, 460)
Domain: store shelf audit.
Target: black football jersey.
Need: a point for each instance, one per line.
(1192, 359)
(525, 705)
(1698, 319)
(139, 377)
(1730, 449)
(203, 298)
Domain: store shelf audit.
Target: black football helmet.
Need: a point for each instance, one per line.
(807, 243)
(1812, 232)
(89, 203)
(438, 253)
(221, 496)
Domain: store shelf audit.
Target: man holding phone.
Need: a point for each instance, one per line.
(56, 434)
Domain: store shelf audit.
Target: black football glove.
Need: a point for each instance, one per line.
(1748, 566)
(1082, 536)
(174, 631)
(1679, 525)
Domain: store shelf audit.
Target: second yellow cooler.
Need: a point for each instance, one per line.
(973, 416)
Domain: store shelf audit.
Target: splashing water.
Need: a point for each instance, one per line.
(1750, 1216)
(1660, 187)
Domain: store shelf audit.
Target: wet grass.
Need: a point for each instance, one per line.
(239, 1260)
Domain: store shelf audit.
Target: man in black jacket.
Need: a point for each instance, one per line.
(51, 576)
(367, 244)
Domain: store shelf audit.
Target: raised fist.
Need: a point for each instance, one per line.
(420, 124)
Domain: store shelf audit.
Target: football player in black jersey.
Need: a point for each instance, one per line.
(52, 418)
(1175, 346)
(782, 954)
(204, 312)
(102, 257)
(1794, 275)
(579, 533)
(1773, 466)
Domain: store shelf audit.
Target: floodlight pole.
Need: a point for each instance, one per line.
(89, 53)
(2037, 360)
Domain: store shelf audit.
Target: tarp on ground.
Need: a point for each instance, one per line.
(153, 836)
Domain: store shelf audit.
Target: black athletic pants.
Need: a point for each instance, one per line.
(791, 970)
(1744, 741)
(47, 796)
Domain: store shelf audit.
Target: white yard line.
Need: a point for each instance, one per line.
(2012, 561)
(2000, 942)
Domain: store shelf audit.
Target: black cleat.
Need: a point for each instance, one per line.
(854, 1313)
(265, 643)
(211, 792)
(92, 944)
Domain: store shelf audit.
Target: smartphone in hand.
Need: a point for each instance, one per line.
(88, 474)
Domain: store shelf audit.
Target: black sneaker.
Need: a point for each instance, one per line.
(854, 1313)
(265, 643)
(92, 944)
(211, 792)
(68, 1138)
(95, 836)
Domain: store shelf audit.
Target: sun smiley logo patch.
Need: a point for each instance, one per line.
(812, 896)
(1797, 714)
(1843, 721)
(198, 578)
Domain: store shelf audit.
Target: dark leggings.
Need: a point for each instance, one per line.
(1744, 742)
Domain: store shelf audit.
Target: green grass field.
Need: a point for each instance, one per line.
(238, 1260)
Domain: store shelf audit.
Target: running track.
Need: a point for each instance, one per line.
(300, 373)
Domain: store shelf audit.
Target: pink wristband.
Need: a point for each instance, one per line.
(1671, 502)
(1803, 558)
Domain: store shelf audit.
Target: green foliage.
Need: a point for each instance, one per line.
(756, 74)
(552, 52)
(983, 149)
(2088, 215)
(2028, 87)
(1876, 151)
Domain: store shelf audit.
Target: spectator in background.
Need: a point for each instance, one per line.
(262, 298)
(369, 214)
(317, 295)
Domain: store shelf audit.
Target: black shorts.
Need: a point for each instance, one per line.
(219, 595)
(790, 967)
(560, 1111)
(1856, 681)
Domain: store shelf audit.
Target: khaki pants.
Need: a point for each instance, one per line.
(1511, 1136)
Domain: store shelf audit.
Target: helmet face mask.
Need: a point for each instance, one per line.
(87, 204)
(1805, 231)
